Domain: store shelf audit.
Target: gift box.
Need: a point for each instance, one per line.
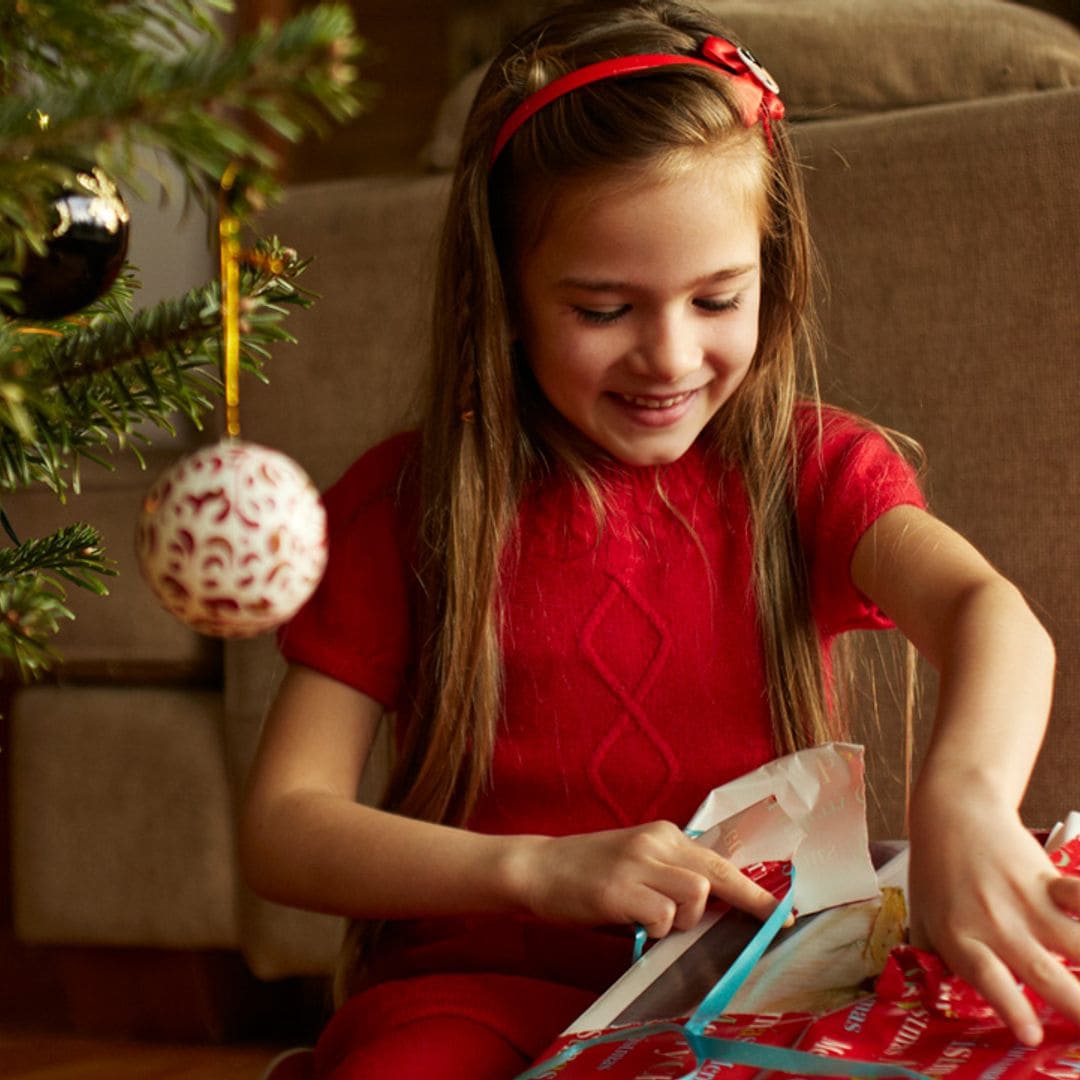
(838, 994)
(933, 1023)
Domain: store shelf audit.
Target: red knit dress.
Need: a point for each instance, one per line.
(633, 685)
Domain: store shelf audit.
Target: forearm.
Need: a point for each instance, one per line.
(983, 893)
(995, 660)
(996, 678)
(319, 851)
(304, 839)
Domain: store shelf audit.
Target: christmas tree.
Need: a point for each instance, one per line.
(96, 95)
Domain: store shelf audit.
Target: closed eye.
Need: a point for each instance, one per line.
(604, 316)
(729, 304)
(600, 317)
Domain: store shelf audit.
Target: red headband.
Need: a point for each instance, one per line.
(755, 88)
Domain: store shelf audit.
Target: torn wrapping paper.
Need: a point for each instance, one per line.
(823, 790)
(809, 807)
(829, 961)
(920, 1021)
(665, 1054)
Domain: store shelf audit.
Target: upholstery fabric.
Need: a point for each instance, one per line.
(951, 239)
(122, 818)
(850, 57)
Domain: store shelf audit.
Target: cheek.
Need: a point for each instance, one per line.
(734, 349)
(564, 355)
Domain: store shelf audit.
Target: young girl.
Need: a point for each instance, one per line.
(605, 576)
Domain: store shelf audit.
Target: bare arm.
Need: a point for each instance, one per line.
(984, 894)
(305, 841)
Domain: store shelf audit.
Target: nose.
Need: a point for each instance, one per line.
(667, 349)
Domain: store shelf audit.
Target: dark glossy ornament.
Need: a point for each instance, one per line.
(86, 248)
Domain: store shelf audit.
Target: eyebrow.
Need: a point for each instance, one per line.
(601, 285)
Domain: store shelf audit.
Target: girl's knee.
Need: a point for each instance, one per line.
(435, 1048)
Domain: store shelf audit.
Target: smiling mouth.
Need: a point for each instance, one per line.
(669, 402)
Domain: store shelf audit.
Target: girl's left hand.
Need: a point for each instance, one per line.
(986, 897)
(983, 893)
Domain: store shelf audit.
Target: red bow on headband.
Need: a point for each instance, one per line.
(759, 96)
(757, 90)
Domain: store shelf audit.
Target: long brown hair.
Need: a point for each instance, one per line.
(487, 432)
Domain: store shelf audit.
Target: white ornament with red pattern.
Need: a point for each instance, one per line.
(232, 539)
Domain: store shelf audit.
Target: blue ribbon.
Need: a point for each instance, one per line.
(732, 1051)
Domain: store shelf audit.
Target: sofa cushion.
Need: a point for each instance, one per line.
(829, 59)
(121, 818)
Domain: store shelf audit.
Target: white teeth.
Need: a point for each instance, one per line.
(654, 402)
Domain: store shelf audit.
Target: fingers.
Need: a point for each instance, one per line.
(1037, 968)
(729, 883)
(1021, 947)
(678, 901)
(977, 964)
(1035, 948)
(1065, 893)
(687, 878)
(1051, 980)
(1056, 936)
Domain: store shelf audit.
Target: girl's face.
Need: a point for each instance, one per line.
(638, 306)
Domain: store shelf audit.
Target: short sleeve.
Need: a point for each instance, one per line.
(356, 627)
(846, 482)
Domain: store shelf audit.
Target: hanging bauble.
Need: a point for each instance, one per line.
(85, 248)
(232, 539)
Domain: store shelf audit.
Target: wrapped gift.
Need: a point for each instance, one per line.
(925, 1019)
(772, 1009)
(708, 1041)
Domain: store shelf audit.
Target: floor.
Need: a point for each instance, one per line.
(29, 1056)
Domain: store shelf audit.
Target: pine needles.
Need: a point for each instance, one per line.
(126, 85)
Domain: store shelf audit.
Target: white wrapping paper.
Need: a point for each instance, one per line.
(822, 790)
(809, 807)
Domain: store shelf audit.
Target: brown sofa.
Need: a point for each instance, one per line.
(942, 148)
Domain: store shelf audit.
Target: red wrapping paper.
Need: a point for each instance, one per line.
(920, 1016)
(927, 1019)
(667, 1056)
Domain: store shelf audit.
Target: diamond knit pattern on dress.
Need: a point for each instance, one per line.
(623, 615)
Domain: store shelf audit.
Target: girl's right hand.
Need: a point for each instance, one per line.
(653, 874)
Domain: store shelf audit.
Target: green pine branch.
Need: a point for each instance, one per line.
(81, 399)
(59, 38)
(74, 552)
(32, 600)
(197, 107)
(67, 398)
(31, 612)
(126, 85)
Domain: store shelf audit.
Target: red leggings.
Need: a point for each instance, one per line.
(446, 1027)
